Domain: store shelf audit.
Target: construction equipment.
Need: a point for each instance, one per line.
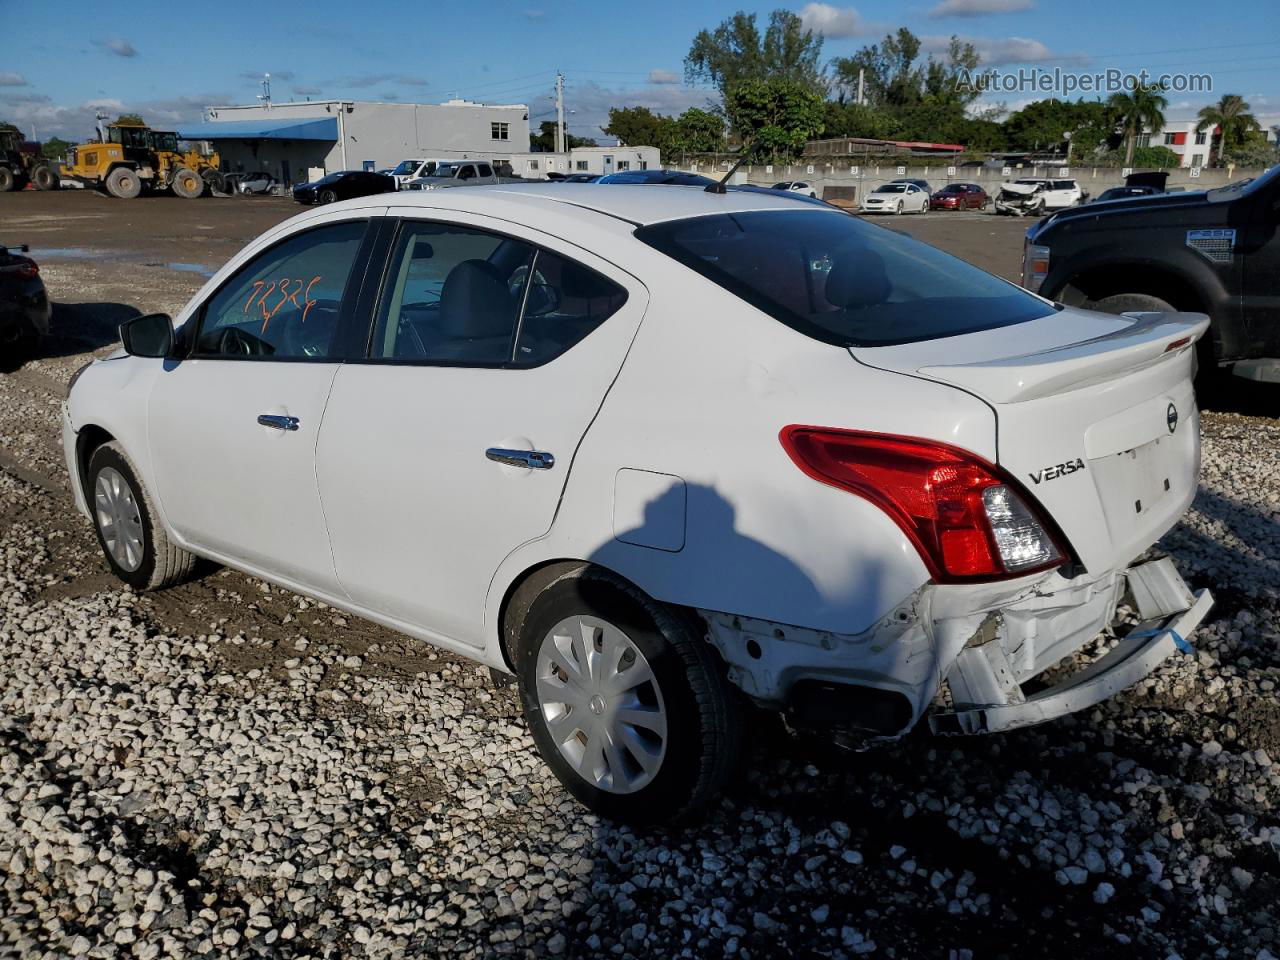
(128, 157)
(21, 162)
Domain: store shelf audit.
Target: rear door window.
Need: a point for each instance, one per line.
(841, 280)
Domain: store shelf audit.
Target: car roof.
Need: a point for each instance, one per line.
(639, 204)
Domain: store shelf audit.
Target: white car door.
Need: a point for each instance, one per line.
(450, 445)
(233, 427)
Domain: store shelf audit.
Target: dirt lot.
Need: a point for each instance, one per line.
(227, 769)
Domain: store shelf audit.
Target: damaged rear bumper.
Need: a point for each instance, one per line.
(984, 641)
(996, 702)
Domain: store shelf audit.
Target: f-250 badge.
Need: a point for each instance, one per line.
(1057, 470)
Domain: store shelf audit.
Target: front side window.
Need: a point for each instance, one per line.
(457, 295)
(841, 280)
(286, 302)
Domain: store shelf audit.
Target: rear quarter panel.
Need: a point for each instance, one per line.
(706, 387)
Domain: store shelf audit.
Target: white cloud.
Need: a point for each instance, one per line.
(590, 104)
(275, 75)
(76, 122)
(119, 46)
(535, 14)
(978, 8)
(663, 76)
(303, 90)
(833, 21)
(10, 79)
(996, 51)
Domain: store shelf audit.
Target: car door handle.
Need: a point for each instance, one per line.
(277, 422)
(529, 459)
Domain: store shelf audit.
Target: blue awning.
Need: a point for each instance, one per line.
(310, 128)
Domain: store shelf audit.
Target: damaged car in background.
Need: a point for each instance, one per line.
(1033, 196)
(704, 453)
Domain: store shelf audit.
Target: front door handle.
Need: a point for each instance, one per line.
(277, 422)
(529, 459)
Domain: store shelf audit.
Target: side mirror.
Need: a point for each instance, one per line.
(150, 335)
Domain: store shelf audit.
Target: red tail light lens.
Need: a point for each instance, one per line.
(966, 518)
(27, 268)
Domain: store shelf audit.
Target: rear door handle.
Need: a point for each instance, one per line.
(277, 422)
(529, 459)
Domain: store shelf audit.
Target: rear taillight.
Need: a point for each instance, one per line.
(26, 268)
(968, 520)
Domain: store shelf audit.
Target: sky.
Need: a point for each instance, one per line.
(59, 64)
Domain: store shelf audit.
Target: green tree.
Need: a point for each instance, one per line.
(1142, 108)
(774, 117)
(1255, 152)
(942, 76)
(699, 131)
(55, 148)
(6, 127)
(640, 126)
(545, 139)
(736, 51)
(1232, 118)
(842, 119)
(891, 76)
(133, 118)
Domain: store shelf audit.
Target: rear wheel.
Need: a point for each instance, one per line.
(327, 196)
(124, 183)
(134, 543)
(44, 178)
(186, 184)
(627, 702)
(7, 180)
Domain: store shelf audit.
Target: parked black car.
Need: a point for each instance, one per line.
(676, 177)
(343, 185)
(24, 304)
(1125, 193)
(1214, 252)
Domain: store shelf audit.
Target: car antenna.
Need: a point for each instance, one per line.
(743, 153)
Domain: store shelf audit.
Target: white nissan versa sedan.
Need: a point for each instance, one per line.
(663, 453)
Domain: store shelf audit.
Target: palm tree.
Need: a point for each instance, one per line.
(1232, 118)
(1142, 107)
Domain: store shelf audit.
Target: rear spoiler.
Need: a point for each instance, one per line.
(1148, 340)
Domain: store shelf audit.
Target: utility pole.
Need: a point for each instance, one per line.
(861, 79)
(560, 145)
(265, 95)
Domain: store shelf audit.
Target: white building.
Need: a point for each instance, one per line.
(1193, 147)
(293, 140)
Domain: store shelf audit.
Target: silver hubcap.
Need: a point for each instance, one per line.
(118, 518)
(602, 704)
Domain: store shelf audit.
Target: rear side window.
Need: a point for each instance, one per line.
(841, 280)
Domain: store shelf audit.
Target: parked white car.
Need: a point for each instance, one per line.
(663, 454)
(803, 187)
(895, 198)
(413, 169)
(1032, 196)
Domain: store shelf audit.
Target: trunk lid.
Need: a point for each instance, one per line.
(1095, 417)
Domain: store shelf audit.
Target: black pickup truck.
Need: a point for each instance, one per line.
(1214, 252)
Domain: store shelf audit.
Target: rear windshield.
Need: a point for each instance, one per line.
(841, 280)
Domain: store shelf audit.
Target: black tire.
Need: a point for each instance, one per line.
(1125, 302)
(327, 196)
(43, 177)
(123, 183)
(186, 183)
(703, 711)
(215, 181)
(162, 563)
(898, 209)
(7, 180)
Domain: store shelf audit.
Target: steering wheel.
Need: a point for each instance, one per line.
(234, 342)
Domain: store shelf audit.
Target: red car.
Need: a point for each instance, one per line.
(959, 196)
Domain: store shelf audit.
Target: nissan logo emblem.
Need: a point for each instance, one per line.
(1171, 417)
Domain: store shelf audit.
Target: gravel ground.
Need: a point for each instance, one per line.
(230, 770)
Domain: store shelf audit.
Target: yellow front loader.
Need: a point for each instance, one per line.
(130, 157)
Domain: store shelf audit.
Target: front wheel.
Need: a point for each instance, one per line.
(124, 183)
(136, 547)
(43, 178)
(186, 184)
(627, 702)
(327, 196)
(898, 209)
